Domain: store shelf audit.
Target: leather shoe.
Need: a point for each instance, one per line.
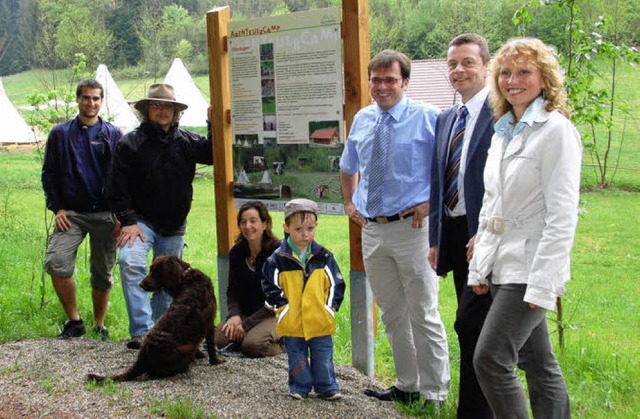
(393, 394)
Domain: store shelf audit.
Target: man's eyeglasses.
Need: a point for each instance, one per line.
(161, 105)
(389, 81)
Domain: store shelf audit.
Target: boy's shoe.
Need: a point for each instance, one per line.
(297, 396)
(103, 332)
(135, 342)
(330, 395)
(72, 329)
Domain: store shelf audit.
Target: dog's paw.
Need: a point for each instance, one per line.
(200, 354)
(215, 360)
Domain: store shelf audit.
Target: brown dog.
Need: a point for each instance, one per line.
(172, 344)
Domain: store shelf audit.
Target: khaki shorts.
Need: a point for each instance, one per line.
(62, 248)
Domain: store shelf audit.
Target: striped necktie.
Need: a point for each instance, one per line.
(453, 163)
(379, 153)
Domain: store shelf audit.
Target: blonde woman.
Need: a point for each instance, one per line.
(527, 225)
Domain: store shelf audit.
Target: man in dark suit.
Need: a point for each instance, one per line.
(463, 136)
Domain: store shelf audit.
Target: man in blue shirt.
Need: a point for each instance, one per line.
(76, 160)
(385, 179)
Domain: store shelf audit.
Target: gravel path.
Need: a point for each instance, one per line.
(46, 378)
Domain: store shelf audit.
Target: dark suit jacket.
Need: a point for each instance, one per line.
(473, 176)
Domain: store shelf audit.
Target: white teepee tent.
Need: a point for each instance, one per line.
(14, 128)
(265, 177)
(242, 178)
(187, 92)
(115, 107)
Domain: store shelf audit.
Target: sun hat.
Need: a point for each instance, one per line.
(159, 92)
(300, 205)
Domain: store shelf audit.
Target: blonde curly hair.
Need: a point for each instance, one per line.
(542, 57)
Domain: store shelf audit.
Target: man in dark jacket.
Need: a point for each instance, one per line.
(76, 161)
(150, 190)
(457, 188)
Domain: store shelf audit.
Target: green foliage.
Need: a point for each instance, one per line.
(595, 106)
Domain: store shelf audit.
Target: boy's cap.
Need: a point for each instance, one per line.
(300, 205)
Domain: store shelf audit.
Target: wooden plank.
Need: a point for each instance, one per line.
(355, 33)
(219, 112)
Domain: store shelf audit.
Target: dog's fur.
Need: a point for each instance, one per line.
(172, 344)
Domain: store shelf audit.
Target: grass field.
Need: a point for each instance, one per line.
(602, 313)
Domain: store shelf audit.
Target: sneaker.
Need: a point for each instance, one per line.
(330, 395)
(135, 342)
(297, 396)
(72, 329)
(103, 332)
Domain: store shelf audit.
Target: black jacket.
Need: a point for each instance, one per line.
(152, 174)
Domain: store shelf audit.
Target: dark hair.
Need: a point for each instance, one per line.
(473, 38)
(386, 58)
(90, 83)
(267, 237)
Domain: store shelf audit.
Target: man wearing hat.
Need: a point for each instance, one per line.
(150, 191)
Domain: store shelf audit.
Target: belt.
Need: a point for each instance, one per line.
(385, 220)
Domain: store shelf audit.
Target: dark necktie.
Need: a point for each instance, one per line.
(379, 153)
(453, 163)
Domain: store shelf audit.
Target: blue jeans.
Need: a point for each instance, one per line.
(311, 365)
(133, 268)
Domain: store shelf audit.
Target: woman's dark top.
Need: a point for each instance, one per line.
(245, 297)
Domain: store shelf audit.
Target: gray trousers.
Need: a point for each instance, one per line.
(513, 333)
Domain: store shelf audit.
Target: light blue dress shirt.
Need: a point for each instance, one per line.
(408, 175)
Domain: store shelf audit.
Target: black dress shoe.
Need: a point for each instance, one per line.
(393, 394)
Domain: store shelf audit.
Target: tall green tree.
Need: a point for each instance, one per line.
(82, 29)
(596, 106)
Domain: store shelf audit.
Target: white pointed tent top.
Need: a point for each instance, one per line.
(242, 178)
(13, 128)
(187, 92)
(265, 177)
(115, 107)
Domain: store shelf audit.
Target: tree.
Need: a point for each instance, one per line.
(595, 108)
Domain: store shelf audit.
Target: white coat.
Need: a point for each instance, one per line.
(530, 209)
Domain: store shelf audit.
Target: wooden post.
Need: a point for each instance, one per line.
(219, 115)
(355, 34)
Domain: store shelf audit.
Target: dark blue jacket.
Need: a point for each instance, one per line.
(65, 184)
(473, 175)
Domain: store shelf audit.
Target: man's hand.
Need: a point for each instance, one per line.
(469, 247)
(62, 222)
(129, 234)
(433, 257)
(233, 329)
(419, 213)
(354, 214)
(116, 229)
(480, 289)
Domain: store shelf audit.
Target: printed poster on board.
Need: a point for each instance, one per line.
(287, 108)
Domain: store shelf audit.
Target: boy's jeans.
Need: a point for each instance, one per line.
(133, 268)
(311, 365)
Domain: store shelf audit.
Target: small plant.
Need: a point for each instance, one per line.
(178, 408)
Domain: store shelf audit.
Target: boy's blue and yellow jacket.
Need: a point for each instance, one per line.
(305, 299)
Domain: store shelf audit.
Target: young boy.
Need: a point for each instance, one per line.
(304, 286)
